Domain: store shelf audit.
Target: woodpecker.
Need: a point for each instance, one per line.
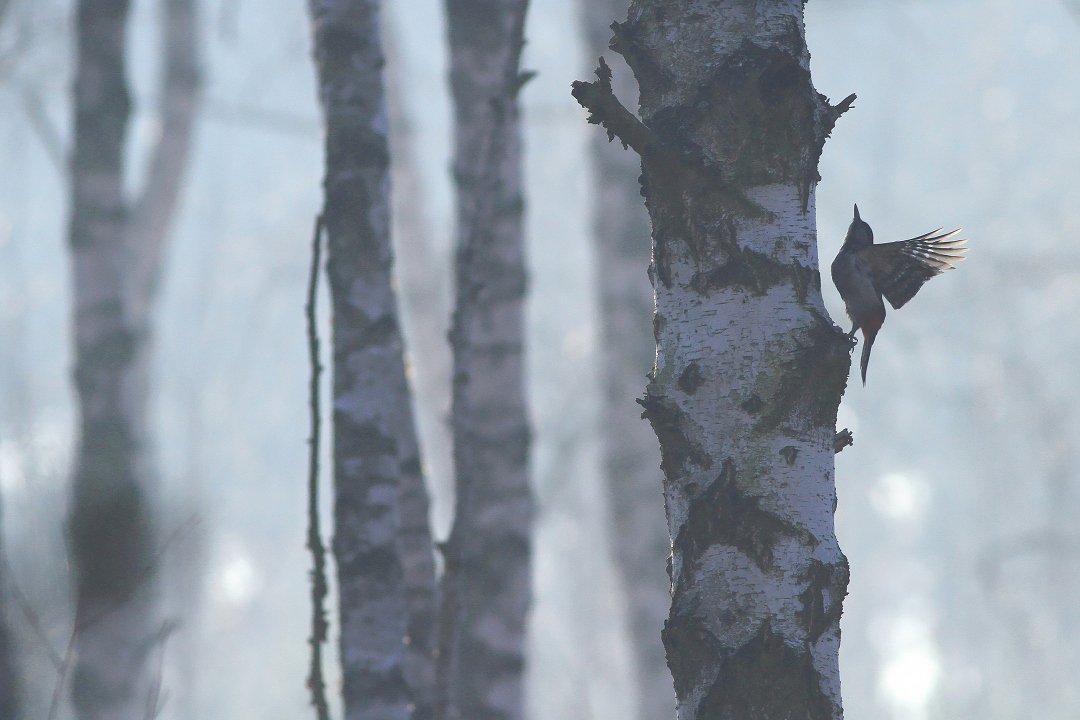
(863, 272)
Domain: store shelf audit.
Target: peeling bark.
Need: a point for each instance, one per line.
(486, 586)
(118, 632)
(630, 455)
(749, 367)
(375, 451)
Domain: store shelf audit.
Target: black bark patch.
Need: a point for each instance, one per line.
(690, 379)
(805, 278)
(691, 650)
(355, 560)
(757, 273)
(762, 102)
(811, 378)
(364, 440)
(753, 404)
(375, 685)
(675, 448)
(820, 611)
(789, 453)
(766, 679)
(658, 323)
(724, 515)
(377, 332)
(705, 282)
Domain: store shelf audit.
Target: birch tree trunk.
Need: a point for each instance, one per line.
(630, 454)
(376, 458)
(749, 368)
(116, 256)
(486, 586)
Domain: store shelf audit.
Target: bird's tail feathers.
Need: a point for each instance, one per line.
(870, 331)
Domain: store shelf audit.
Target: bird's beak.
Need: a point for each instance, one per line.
(857, 213)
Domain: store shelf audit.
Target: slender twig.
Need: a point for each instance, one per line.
(314, 537)
(154, 701)
(82, 623)
(61, 676)
(31, 615)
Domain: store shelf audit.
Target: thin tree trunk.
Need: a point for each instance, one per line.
(749, 368)
(630, 454)
(486, 586)
(375, 453)
(111, 530)
(115, 256)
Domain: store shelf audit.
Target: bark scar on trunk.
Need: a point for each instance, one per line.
(606, 110)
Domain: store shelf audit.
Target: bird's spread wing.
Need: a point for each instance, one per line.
(899, 269)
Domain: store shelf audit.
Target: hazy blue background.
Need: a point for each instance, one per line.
(957, 501)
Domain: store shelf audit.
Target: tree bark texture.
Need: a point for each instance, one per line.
(486, 586)
(375, 450)
(749, 367)
(115, 251)
(631, 458)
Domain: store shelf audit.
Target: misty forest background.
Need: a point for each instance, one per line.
(956, 503)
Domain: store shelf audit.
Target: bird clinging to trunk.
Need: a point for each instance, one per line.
(863, 272)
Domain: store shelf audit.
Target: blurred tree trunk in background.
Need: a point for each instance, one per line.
(376, 459)
(630, 453)
(486, 587)
(9, 678)
(117, 251)
(749, 368)
(9, 683)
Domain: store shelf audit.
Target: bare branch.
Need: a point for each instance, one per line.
(606, 110)
(834, 112)
(842, 439)
(315, 681)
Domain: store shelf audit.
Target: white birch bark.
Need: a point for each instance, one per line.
(630, 454)
(118, 629)
(749, 368)
(375, 453)
(486, 587)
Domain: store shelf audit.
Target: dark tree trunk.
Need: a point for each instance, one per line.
(116, 255)
(486, 587)
(749, 367)
(375, 452)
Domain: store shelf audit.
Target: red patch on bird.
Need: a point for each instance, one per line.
(870, 326)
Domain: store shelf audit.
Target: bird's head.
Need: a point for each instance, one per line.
(859, 233)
